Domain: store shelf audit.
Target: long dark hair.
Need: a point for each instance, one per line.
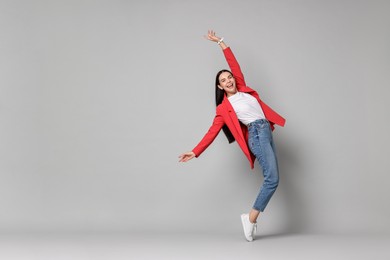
(219, 95)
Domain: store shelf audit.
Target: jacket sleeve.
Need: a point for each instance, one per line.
(211, 134)
(234, 67)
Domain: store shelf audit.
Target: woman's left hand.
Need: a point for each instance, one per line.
(185, 157)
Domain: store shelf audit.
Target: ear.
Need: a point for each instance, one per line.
(221, 88)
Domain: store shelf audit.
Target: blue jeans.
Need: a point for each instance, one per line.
(262, 146)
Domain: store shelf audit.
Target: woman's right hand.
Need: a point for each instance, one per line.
(212, 37)
(185, 157)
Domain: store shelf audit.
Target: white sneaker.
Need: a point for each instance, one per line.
(250, 229)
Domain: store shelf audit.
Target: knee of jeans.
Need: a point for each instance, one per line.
(273, 183)
(276, 182)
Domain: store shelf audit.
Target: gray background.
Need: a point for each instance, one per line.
(98, 98)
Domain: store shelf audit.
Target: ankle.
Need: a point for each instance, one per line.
(253, 215)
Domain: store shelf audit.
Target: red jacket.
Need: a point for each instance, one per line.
(225, 114)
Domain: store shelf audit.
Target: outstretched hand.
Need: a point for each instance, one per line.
(212, 37)
(185, 157)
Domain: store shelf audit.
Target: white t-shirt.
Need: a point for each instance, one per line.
(246, 107)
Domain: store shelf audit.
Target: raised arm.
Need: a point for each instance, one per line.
(230, 58)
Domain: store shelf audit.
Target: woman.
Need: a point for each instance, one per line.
(245, 118)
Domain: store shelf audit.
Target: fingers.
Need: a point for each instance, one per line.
(211, 36)
(181, 157)
(185, 157)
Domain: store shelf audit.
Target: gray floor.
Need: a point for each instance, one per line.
(164, 245)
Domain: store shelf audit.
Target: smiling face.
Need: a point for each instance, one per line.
(227, 83)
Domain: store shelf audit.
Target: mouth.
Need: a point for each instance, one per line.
(229, 85)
